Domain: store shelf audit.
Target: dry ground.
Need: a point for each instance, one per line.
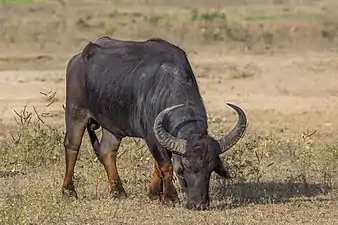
(276, 59)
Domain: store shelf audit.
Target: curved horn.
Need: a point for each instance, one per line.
(173, 144)
(236, 133)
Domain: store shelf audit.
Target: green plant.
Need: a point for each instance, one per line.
(154, 19)
(111, 29)
(207, 16)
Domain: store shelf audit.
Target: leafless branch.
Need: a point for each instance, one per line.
(16, 140)
(38, 116)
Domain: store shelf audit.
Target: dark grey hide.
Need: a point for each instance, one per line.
(146, 90)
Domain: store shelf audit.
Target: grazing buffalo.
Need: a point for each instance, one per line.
(145, 90)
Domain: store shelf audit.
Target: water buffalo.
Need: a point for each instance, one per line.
(145, 90)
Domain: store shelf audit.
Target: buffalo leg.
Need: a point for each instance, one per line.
(156, 185)
(108, 149)
(163, 176)
(169, 190)
(72, 143)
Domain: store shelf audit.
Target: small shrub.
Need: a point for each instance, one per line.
(153, 19)
(34, 143)
(82, 23)
(207, 16)
(110, 30)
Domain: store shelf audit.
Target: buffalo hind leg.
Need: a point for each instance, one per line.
(162, 185)
(72, 143)
(108, 150)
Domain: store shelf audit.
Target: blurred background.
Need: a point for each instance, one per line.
(62, 27)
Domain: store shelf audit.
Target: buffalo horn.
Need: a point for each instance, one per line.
(173, 144)
(236, 133)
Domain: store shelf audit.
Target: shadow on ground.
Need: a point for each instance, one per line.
(240, 194)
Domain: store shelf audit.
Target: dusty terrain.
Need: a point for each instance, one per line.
(275, 59)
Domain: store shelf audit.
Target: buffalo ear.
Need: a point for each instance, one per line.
(221, 170)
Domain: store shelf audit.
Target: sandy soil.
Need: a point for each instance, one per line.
(289, 93)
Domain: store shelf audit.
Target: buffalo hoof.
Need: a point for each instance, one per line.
(153, 196)
(117, 195)
(170, 199)
(155, 193)
(118, 192)
(69, 191)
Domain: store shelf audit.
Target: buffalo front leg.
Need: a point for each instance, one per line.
(169, 190)
(72, 143)
(161, 186)
(156, 184)
(108, 150)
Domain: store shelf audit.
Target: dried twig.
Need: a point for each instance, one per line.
(122, 153)
(16, 140)
(50, 97)
(38, 116)
(45, 114)
(50, 103)
(43, 93)
(24, 116)
(137, 143)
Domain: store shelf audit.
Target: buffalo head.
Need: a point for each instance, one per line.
(197, 156)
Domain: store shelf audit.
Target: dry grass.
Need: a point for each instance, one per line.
(277, 178)
(268, 174)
